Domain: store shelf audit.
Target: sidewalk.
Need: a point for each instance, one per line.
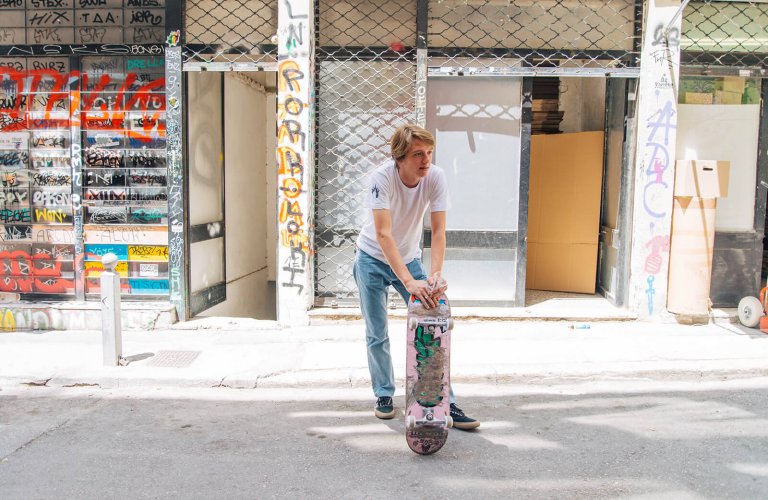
(251, 354)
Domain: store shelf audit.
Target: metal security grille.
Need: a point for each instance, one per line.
(727, 34)
(366, 84)
(364, 89)
(227, 32)
(534, 37)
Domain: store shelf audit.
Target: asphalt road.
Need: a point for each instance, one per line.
(628, 439)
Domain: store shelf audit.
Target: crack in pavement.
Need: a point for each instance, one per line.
(53, 429)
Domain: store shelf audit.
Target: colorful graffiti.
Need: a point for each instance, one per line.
(657, 118)
(176, 240)
(78, 150)
(293, 152)
(20, 318)
(40, 99)
(47, 271)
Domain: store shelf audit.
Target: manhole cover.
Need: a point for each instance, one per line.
(173, 359)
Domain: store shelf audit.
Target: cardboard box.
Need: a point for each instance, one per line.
(690, 255)
(562, 267)
(698, 98)
(545, 105)
(734, 84)
(702, 178)
(564, 211)
(726, 97)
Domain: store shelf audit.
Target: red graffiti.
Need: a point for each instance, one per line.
(45, 98)
(39, 273)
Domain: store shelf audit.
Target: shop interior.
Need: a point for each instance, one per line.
(232, 193)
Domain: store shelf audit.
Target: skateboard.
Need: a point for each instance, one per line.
(427, 380)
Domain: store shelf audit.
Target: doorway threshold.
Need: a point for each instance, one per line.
(539, 305)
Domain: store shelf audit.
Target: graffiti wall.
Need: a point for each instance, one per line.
(81, 21)
(27, 317)
(83, 171)
(294, 157)
(657, 125)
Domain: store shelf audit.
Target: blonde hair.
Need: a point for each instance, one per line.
(403, 137)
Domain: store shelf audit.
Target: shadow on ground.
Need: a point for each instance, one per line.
(580, 441)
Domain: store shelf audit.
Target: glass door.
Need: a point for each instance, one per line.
(477, 126)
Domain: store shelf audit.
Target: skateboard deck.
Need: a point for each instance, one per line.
(427, 381)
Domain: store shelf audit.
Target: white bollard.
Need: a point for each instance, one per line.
(111, 328)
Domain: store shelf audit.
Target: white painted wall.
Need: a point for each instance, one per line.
(656, 120)
(249, 162)
(271, 174)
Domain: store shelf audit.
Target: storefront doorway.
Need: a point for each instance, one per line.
(477, 124)
(232, 179)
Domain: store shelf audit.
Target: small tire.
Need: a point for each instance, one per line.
(450, 323)
(750, 311)
(448, 421)
(410, 422)
(412, 323)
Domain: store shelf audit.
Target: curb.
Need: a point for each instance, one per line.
(358, 381)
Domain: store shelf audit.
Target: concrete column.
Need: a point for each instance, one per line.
(295, 174)
(655, 159)
(177, 231)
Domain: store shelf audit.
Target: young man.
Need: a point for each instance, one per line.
(388, 251)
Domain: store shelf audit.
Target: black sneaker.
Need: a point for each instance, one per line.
(461, 421)
(385, 408)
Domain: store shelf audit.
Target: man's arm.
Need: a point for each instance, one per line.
(437, 254)
(382, 220)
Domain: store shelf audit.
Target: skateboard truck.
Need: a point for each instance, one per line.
(414, 322)
(428, 420)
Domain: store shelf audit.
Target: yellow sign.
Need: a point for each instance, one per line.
(93, 269)
(148, 253)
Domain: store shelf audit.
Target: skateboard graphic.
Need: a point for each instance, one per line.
(427, 381)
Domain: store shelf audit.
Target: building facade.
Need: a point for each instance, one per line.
(220, 149)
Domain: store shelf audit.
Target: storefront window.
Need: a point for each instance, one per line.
(112, 178)
(719, 90)
(125, 208)
(37, 247)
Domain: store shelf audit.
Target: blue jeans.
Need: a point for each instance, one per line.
(373, 278)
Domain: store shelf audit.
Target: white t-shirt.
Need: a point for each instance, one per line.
(407, 207)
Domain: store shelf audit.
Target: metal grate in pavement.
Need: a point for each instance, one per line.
(173, 359)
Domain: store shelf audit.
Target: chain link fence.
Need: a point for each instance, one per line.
(366, 85)
(227, 32)
(367, 66)
(364, 90)
(534, 37)
(732, 34)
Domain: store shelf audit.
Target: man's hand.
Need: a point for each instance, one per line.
(438, 284)
(422, 290)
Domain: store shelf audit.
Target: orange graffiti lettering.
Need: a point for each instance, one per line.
(289, 161)
(289, 74)
(292, 210)
(291, 187)
(295, 240)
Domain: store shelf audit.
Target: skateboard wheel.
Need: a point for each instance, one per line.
(448, 421)
(750, 311)
(412, 323)
(450, 323)
(410, 422)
